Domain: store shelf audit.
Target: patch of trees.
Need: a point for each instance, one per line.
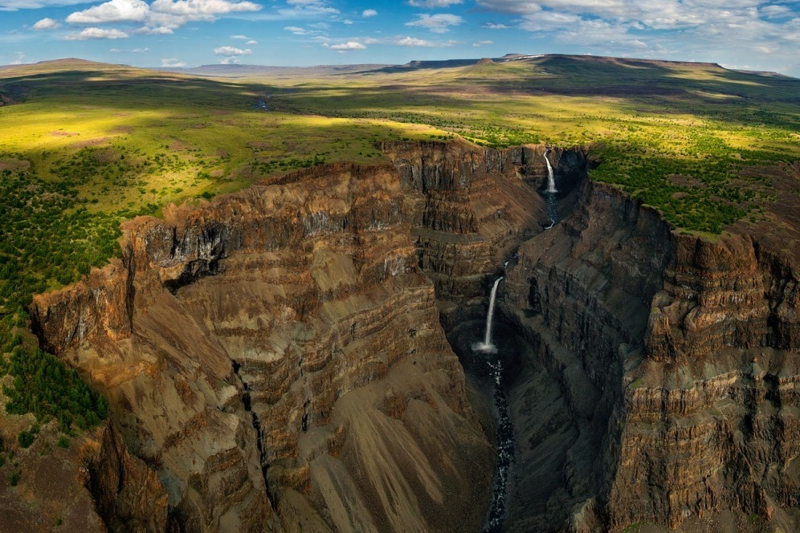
(45, 387)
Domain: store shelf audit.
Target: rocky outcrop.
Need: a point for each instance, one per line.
(127, 494)
(276, 358)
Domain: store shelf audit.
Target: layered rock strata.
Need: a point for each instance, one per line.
(658, 380)
(470, 208)
(276, 358)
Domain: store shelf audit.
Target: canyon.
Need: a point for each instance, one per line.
(298, 356)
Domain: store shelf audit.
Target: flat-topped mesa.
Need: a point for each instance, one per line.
(276, 356)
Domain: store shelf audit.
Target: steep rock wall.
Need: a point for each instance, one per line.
(579, 295)
(469, 208)
(276, 357)
(664, 372)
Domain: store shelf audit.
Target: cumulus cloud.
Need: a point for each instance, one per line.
(112, 11)
(251, 42)
(232, 51)
(439, 23)
(369, 13)
(349, 45)
(97, 33)
(171, 62)
(432, 4)
(46, 24)
(161, 16)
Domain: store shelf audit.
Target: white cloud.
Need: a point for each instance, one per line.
(439, 23)
(46, 24)
(133, 51)
(172, 63)
(19, 60)
(350, 45)
(549, 21)
(157, 30)
(482, 43)
(413, 41)
(432, 4)
(240, 37)
(251, 42)
(495, 26)
(97, 33)
(112, 11)
(160, 17)
(15, 5)
(296, 30)
(510, 6)
(347, 21)
(231, 51)
(775, 11)
(369, 13)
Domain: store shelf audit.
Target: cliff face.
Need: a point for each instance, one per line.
(470, 208)
(674, 370)
(276, 358)
(579, 296)
(712, 418)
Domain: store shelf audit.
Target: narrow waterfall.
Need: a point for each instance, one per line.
(551, 181)
(552, 206)
(486, 346)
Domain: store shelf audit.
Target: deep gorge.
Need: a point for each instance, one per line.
(286, 358)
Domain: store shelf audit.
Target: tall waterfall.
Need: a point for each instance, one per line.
(486, 346)
(551, 181)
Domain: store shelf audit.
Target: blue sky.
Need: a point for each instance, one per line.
(746, 34)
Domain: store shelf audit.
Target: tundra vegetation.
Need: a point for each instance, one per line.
(90, 145)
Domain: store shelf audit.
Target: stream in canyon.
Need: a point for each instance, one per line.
(489, 365)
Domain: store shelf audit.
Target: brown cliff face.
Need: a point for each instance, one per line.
(276, 358)
(469, 208)
(128, 495)
(673, 358)
(712, 412)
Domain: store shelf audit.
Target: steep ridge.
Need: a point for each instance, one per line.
(279, 350)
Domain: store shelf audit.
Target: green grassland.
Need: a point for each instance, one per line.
(87, 146)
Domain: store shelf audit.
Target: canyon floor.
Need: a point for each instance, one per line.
(273, 289)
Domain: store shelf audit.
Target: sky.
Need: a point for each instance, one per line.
(741, 34)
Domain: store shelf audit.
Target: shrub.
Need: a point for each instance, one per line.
(25, 439)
